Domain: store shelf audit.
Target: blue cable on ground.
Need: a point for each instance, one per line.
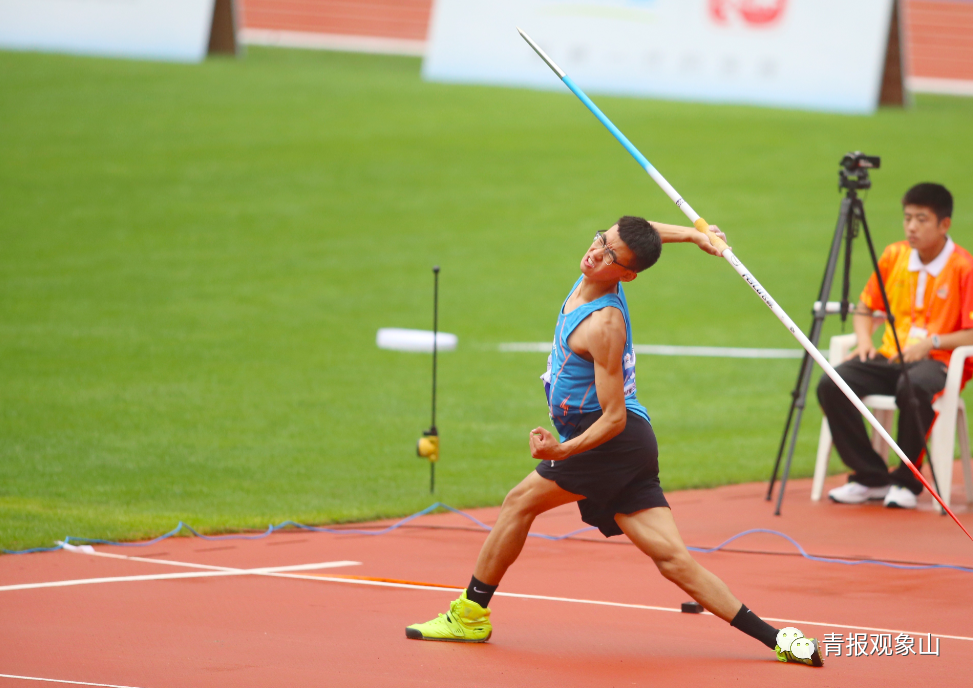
(829, 560)
(439, 505)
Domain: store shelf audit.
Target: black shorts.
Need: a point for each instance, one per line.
(620, 476)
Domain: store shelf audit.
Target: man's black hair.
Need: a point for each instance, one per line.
(936, 197)
(642, 240)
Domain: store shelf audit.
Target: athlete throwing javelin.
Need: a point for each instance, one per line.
(606, 458)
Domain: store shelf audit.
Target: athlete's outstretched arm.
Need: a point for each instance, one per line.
(603, 342)
(673, 234)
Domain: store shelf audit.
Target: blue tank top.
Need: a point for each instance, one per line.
(570, 380)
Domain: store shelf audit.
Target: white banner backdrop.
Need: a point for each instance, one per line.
(809, 54)
(175, 30)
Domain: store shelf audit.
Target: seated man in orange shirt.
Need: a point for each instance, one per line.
(929, 282)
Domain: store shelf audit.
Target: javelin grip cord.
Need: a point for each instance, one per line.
(741, 270)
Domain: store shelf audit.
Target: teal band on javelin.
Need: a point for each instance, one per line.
(622, 139)
(643, 162)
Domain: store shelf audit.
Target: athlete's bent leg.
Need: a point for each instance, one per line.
(532, 497)
(468, 618)
(654, 532)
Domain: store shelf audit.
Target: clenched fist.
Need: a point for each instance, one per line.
(545, 446)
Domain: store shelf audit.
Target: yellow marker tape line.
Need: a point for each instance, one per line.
(391, 580)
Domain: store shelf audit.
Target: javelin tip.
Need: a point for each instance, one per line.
(537, 49)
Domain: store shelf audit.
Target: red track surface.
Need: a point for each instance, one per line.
(272, 631)
(939, 37)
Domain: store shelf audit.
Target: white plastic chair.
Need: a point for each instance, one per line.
(950, 422)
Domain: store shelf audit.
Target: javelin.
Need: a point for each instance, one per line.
(703, 226)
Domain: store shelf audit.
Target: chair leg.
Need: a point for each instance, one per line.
(964, 453)
(821, 462)
(942, 441)
(886, 418)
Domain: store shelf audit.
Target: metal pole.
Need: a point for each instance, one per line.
(435, 346)
(741, 270)
(435, 338)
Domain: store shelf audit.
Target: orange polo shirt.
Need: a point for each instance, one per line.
(946, 306)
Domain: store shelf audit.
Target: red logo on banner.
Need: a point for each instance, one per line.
(753, 12)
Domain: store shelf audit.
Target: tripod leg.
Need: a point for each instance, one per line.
(910, 391)
(798, 396)
(806, 381)
(787, 466)
(783, 439)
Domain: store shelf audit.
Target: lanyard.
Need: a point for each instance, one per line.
(927, 297)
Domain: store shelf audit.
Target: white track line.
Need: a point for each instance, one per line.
(58, 680)
(220, 571)
(715, 351)
(624, 605)
(667, 350)
(951, 87)
(280, 572)
(331, 41)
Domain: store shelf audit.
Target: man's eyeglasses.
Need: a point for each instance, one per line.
(610, 257)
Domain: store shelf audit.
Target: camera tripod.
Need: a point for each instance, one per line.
(852, 178)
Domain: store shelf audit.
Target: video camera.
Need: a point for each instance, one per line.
(853, 173)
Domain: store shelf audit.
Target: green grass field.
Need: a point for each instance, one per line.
(194, 261)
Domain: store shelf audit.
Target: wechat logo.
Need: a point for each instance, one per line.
(792, 640)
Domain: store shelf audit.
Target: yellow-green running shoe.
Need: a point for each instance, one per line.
(465, 622)
(792, 646)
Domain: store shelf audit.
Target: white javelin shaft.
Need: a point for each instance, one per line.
(741, 269)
